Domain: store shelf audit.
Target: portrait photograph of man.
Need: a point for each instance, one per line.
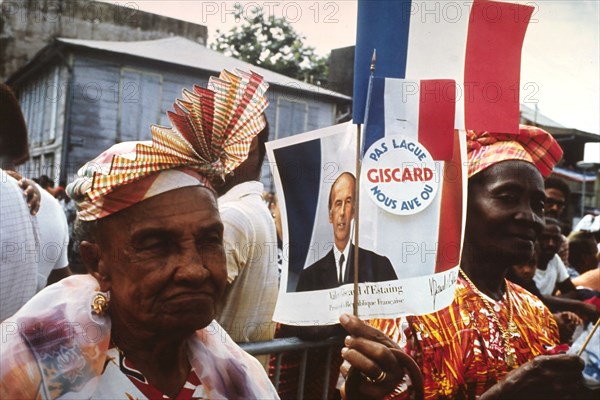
(337, 266)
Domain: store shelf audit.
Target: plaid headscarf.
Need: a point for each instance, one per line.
(531, 144)
(212, 130)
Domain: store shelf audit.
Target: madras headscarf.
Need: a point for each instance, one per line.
(531, 144)
(212, 130)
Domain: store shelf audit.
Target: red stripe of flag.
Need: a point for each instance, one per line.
(437, 104)
(492, 65)
(448, 249)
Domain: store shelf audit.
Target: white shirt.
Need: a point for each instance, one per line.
(251, 249)
(19, 237)
(337, 254)
(54, 237)
(555, 272)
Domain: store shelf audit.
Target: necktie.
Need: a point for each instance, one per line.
(341, 263)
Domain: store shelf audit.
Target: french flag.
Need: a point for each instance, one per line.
(423, 111)
(477, 44)
(476, 47)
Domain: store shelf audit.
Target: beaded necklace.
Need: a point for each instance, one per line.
(510, 356)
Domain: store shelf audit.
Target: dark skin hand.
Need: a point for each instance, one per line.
(30, 191)
(567, 322)
(544, 377)
(369, 351)
(584, 310)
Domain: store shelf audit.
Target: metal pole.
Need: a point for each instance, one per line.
(356, 219)
(359, 146)
(587, 340)
(583, 195)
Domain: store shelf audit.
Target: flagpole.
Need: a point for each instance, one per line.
(359, 148)
(587, 340)
(356, 209)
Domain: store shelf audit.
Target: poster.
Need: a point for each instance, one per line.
(408, 253)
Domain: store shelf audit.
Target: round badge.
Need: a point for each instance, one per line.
(399, 175)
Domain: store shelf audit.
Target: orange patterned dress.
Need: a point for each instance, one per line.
(460, 348)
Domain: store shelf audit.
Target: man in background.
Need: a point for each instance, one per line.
(557, 195)
(251, 249)
(557, 200)
(551, 273)
(19, 230)
(51, 251)
(583, 249)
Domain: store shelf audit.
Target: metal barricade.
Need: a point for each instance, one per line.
(277, 347)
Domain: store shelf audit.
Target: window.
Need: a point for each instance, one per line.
(139, 104)
(39, 102)
(292, 117)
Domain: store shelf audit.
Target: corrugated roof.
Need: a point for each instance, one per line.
(531, 114)
(577, 176)
(181, 51)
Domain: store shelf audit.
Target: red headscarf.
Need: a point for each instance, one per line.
(531, 144)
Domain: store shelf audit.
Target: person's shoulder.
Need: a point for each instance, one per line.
(51, 212)
(9, 184)
(373, 257)
(49, 202)
(464, 294)
(522, 294)
(591, 273)
(235, 213)
(517, 289)
(369, 253)
(310, 277)
(14, 204)
(451, 319)
(244, 201)
(589, 278)
(242, 192)
(322, 262)
(557, 262)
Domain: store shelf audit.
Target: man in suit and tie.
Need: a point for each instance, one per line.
(337, 267)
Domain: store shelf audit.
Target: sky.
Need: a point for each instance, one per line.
(560, 66)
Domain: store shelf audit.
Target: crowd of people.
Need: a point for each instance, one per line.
(176, 237)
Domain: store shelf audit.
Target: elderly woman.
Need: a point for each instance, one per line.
(493, 341)
(141, 324)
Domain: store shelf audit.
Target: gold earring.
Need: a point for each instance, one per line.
(100, 304)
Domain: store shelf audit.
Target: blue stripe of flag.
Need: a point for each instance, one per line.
(375, 120)
(381, 25)
(299, 169)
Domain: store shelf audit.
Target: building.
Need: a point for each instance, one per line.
(81, 96)
(26, 26)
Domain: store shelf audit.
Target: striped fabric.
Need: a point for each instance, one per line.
(136, 377)
(531, 144)
(212, 129)
(460, 349)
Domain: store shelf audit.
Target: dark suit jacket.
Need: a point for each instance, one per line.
(323, 273)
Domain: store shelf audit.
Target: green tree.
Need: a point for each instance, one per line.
(273, 44)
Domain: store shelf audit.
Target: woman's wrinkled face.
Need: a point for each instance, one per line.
(163, 260)
(505, 212)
